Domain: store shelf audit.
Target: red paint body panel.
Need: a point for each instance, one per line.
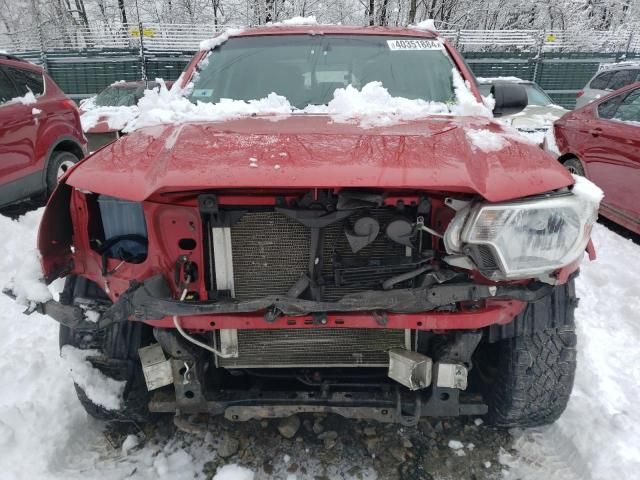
(314, 152)
(27, 138)
(498, 312)
(609, 151)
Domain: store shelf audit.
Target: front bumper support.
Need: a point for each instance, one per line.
(383, 406)
(151, 300)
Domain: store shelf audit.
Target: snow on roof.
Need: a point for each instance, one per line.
(625, 64)
(499, 79)
(212, 43)
(310, 20)
(427, 24)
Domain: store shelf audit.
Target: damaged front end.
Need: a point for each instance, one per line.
(364, 303)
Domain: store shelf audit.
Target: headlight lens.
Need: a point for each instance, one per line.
(523, 239)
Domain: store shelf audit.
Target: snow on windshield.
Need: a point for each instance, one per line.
(117, 118)
(371, 106)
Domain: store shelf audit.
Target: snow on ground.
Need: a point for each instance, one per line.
(45, 434)
(598, 436)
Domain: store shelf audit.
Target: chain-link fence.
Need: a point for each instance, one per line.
(85, 60)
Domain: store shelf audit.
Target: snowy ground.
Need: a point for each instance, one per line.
(45, 434)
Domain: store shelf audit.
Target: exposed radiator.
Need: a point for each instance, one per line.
(314, 347)
(270, 252)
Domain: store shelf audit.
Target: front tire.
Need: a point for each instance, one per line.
(58, 165)
(119, 345)
(574, 166)
(527, 379)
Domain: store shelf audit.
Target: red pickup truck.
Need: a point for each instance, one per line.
(263, 265)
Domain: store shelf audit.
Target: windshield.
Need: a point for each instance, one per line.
(535, 95)
(307, 69)
(118, 96)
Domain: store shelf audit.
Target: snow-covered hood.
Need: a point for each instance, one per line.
(443, 153)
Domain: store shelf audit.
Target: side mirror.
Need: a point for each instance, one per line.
(510, 98)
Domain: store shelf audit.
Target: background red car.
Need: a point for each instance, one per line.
(106, 114)
(602, 142)
(40, 133)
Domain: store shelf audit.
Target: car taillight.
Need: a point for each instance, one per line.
(68, 103)
(580, 93)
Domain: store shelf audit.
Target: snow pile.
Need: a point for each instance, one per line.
(212, 43)
(18, 255)
(467, 104)
(88, 104)
(373, 106)
(36, 111)
(117, 118)
(161, 106)
(130, 443)
(427, 24)
(498, 79)
(310, 20)
(486, 140)
(549, 143)
(100, 389)
(233, 472)
(27, 99)
(587, 190)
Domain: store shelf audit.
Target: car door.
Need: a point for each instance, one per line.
(612, 156)
(19, 130)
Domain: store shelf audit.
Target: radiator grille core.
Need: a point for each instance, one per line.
(270, 252)
(314, 347)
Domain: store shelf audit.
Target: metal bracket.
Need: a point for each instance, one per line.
(155, 367)
(456, 204)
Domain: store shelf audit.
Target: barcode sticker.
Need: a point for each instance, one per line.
(415, 44)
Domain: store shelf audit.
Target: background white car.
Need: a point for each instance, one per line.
(610, 77)
(537, 119)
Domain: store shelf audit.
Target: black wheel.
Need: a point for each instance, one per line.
(118, 345)
(574, 166)
(59, 163)
(527, 378)
(118, 359)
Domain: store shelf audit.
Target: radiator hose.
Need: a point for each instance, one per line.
(188, 337)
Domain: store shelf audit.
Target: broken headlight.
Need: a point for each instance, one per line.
(525, 238)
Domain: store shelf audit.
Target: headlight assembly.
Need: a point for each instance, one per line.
(524, 238)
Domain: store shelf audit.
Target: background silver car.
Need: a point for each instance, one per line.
(536, 120)
(610, 77)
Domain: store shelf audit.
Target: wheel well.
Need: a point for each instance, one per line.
(563, 158)
(69, 146)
